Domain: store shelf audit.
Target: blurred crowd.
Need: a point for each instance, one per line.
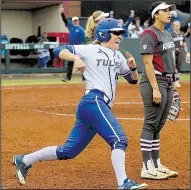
(78, 34)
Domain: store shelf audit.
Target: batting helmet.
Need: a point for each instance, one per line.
(106, 26)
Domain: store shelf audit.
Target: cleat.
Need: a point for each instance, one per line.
(170, 173)
(178, 85)
(153, 174)
(130, 184)
(21, 168)
(64, 80)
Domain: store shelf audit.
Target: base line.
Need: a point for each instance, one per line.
(117, 103)
(120, 118)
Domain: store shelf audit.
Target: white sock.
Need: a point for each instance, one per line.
(48, 153)
(118, 162)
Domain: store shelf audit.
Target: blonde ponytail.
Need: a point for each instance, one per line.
(90, 26)
(92, 23)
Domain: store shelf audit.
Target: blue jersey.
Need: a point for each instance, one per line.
(77, 34)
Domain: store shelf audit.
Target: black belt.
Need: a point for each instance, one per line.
(163, 74)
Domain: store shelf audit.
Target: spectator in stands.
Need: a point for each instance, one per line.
(43, 54)
(187, 33)
(4, 40)
(77, 36)
(139, 29)
(181, 50)
(92, 23)
(130, 21)
(133, 32)
(125, 35)
(43, 57)
(173, 17)
(44, 38)
(145, 24)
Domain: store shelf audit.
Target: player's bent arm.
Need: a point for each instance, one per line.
(67, 55)
(131, 77)
(149, 69)
(65, 52)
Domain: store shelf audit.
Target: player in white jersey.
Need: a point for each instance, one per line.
(102, 64)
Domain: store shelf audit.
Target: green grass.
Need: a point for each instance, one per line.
(14, 81)
(185, 77)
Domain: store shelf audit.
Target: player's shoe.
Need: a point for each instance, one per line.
(153, 174)
(164, 169)
(64, 80)
(130, 184)
(21, 168)
(178, 85)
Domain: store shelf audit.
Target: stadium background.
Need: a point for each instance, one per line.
(25, 18)
(38, 111)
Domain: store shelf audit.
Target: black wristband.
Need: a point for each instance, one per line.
(133, 69)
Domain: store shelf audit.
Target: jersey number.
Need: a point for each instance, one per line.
(116, 77)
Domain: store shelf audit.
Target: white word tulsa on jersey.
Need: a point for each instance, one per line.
(103, 66)
(107, 63)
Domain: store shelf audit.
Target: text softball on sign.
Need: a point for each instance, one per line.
(31, 46)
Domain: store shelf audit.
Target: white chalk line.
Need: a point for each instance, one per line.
(120, 118)
(65, 86)
(38, 86)
(117, 103)
(183, 102)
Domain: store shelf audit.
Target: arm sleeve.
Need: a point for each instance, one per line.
(57, 50)
(124, 68)
(147, 44)
(129, 20)
(64, 19)
(129, 79)
(70, 25)
(80, 50)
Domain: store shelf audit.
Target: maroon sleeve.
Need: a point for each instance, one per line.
(147, 43)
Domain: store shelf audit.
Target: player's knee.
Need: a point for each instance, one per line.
(150, 127)
(159, 129)
(122, 144)
(64, 154)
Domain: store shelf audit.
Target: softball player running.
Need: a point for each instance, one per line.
(158, 50)
(102, 64)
